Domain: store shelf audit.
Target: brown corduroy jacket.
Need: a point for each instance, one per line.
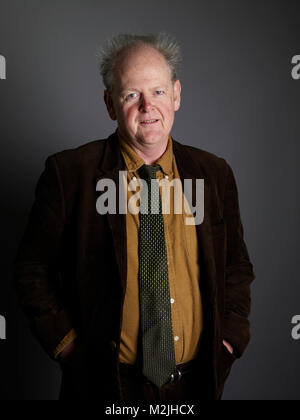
(70, 270)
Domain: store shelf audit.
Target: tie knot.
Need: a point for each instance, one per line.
(149, 171)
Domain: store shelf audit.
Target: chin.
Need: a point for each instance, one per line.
(152, 138)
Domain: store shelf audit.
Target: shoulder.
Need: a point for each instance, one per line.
(83, 154)
(75, 163)
(208, 161)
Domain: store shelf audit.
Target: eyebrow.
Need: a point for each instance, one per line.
(128, 90)
(136, 90)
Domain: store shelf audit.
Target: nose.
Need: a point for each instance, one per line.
(145, 103)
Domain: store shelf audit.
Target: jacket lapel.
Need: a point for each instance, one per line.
(110, 165)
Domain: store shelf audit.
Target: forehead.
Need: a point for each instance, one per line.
(142, 65)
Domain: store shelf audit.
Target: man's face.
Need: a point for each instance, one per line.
(144, 98)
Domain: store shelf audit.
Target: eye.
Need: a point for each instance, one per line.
(159, 92)
(131, 96)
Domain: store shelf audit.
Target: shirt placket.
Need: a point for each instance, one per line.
(175, 309)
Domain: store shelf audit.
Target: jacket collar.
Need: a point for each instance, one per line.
(112, 160)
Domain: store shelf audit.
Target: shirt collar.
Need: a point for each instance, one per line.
(133, 161)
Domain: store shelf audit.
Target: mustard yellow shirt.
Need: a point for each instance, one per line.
(184, 269)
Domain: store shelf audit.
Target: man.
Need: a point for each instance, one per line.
(137, 305)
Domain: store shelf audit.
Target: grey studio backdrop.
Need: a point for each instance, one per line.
(239, 102)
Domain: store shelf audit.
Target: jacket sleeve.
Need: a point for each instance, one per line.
(238, 272)
(36, 266)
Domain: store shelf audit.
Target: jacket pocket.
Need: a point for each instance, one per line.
(225, 362)
(74, 381)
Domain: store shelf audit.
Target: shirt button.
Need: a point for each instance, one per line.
(172, 300)
(176, 338)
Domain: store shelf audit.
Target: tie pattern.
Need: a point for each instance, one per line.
(155, 307)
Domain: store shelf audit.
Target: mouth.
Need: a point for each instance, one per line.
(149, 122)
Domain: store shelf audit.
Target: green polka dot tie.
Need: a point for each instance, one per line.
(155, 307)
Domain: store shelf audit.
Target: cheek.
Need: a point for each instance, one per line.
(168, 112)
(130, 116)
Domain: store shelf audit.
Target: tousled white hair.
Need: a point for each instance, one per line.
(162, 42)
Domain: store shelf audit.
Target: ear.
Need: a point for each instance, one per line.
(177, 95)
(110, 105)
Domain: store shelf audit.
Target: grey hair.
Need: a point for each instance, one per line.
(162, 42)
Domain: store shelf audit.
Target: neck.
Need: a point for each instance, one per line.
(150, 153)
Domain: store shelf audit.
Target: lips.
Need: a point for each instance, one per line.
(148, 122)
